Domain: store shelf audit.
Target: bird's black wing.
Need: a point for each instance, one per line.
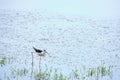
(37, 50)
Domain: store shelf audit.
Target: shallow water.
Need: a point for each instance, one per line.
(70, 42)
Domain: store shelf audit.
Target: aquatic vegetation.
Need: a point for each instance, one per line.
(103, 71)
(100, 71)
(8, 78)
(22, 72)
(94, 73)
(59, 76)
(91, 72)
(3, 61)
(50, 75)
(18, 72)
(75, 74)
(83, 73)
(10, 60)
(6, 60)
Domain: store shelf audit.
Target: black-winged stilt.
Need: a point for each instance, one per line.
(40, 52)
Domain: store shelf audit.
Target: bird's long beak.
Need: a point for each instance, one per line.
(48, 54)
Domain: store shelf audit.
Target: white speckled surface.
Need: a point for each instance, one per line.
(72, 42)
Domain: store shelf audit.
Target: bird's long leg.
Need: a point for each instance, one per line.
(32, 58)
(40, 65)
(32, 65)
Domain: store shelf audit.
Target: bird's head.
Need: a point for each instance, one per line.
(46, 52)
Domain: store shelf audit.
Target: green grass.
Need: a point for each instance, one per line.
(76, 73)
(53, 74)
(2, 61)
(94, 73)
(6, 60)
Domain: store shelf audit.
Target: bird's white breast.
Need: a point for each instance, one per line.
(41, 54)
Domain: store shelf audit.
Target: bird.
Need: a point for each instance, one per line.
(40, 52)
